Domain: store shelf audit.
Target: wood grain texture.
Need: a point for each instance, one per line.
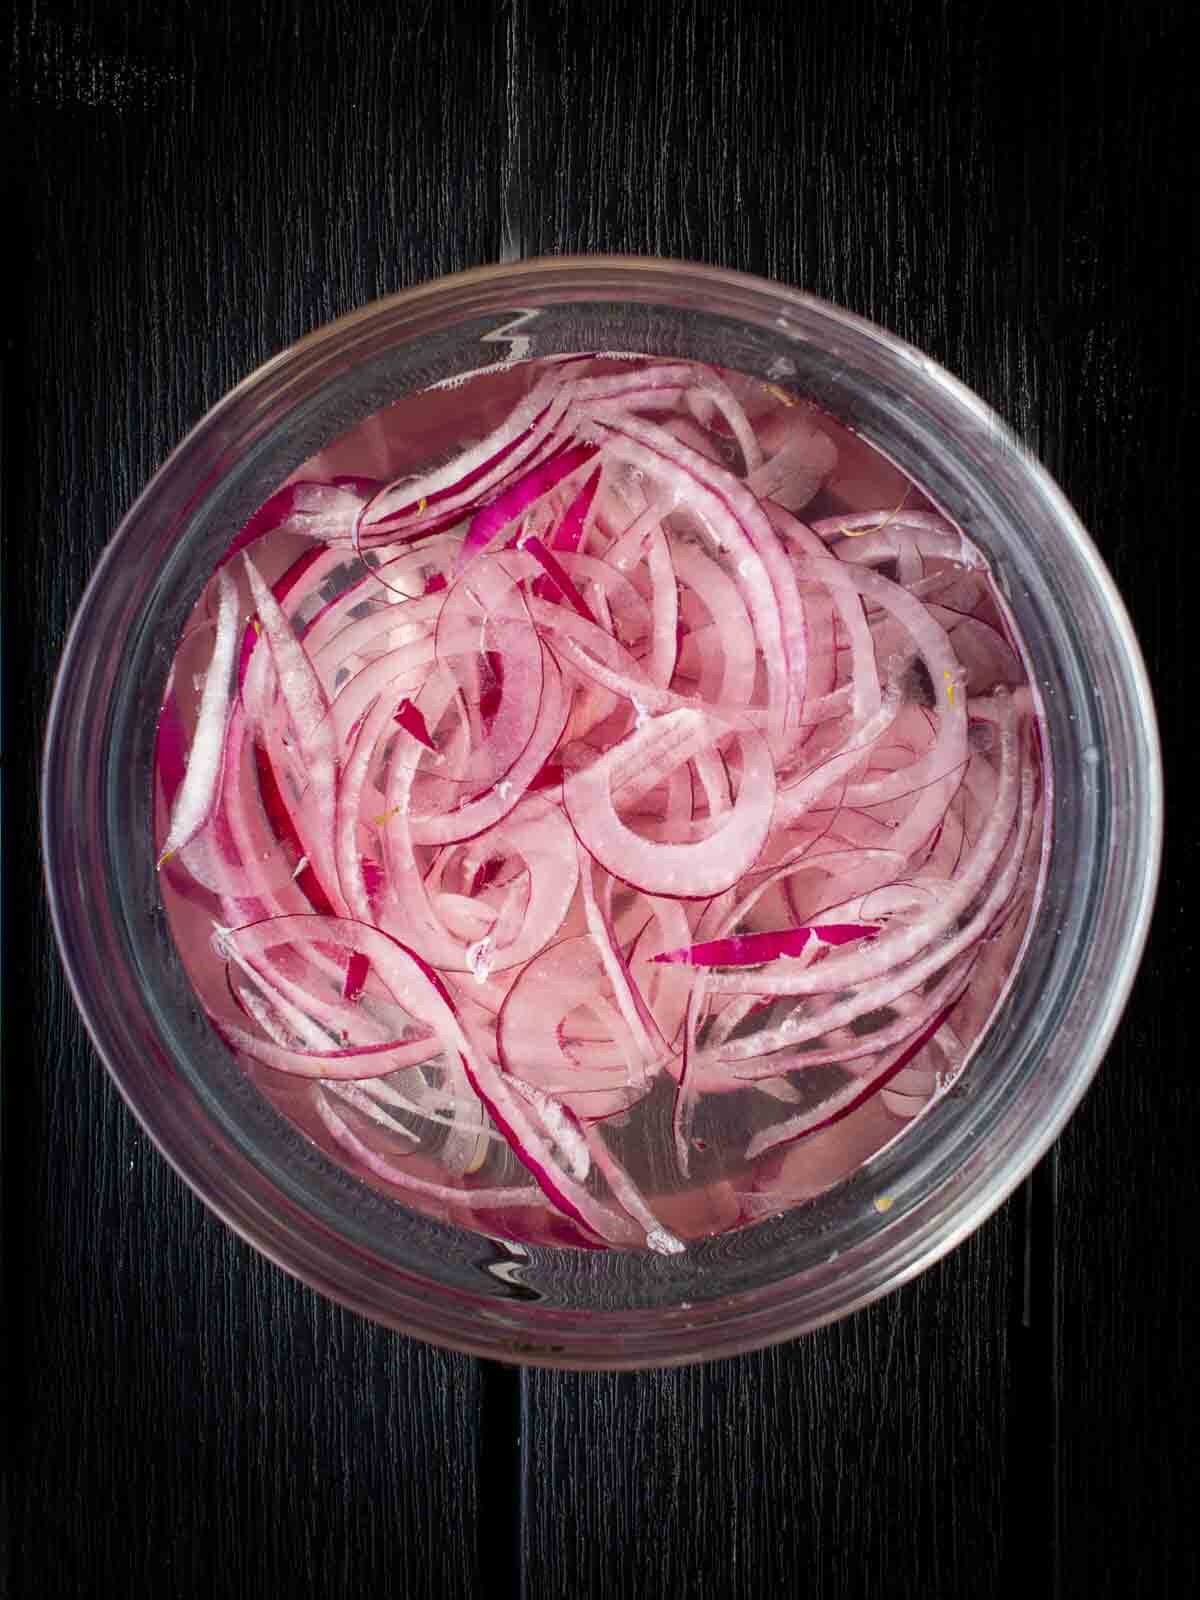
(870, 1459)
(1002, 186)
(188, 190)
(1122, 395)
(193, 191)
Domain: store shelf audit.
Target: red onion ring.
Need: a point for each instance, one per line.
(579, 765)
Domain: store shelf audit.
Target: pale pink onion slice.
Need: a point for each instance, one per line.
(718, 593)
(664, 646)
(365, 1061)
(660, 1239)
(846, 1099)
(308, 712)
(556, 576)
(320, 510)
(390, 1172)
(198, 792)
(682, 870)
(533, 1038)
(899, 944)
(791, 476)
(506, 790)
(638, 1017)
(235, 854)
(891, 982)
(738, 525)
(752, 1058)
(534, 1125)
(725, 724)
(472, 474)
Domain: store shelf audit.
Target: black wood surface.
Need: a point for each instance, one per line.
(191, 188)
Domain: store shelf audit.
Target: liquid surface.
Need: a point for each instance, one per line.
(600, 802)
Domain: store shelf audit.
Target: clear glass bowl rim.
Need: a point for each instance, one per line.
(926, 1228)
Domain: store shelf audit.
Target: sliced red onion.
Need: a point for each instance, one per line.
(846, 1099)
(411, 720)
(797, 469)
(631, 1003)
(904, 979)
(683, 1109)
(390, 1172)
(357, 969)
(537, 1129)
(752, 949)
(197, 794)
(534, 1042)
(308, 713)
(446, 1103)
(380, 1059)
(475, 472)
(738, 526)
(658, 1238)
(688, 870)
(898, 945)
(751, 1059)
(557, 577)
(488, 524)
(503, 793)
(580, 765)
(570, 533)
(664, 647)
(737, 657)
(316, 510)
(828, 771)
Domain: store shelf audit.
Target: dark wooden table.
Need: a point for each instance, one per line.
(192, 187)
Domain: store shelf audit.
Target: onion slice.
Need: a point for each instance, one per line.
(687, 870)
(753, 949)
(198, 792)
(544, 797)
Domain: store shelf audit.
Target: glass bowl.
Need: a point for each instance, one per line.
(560, 1307)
